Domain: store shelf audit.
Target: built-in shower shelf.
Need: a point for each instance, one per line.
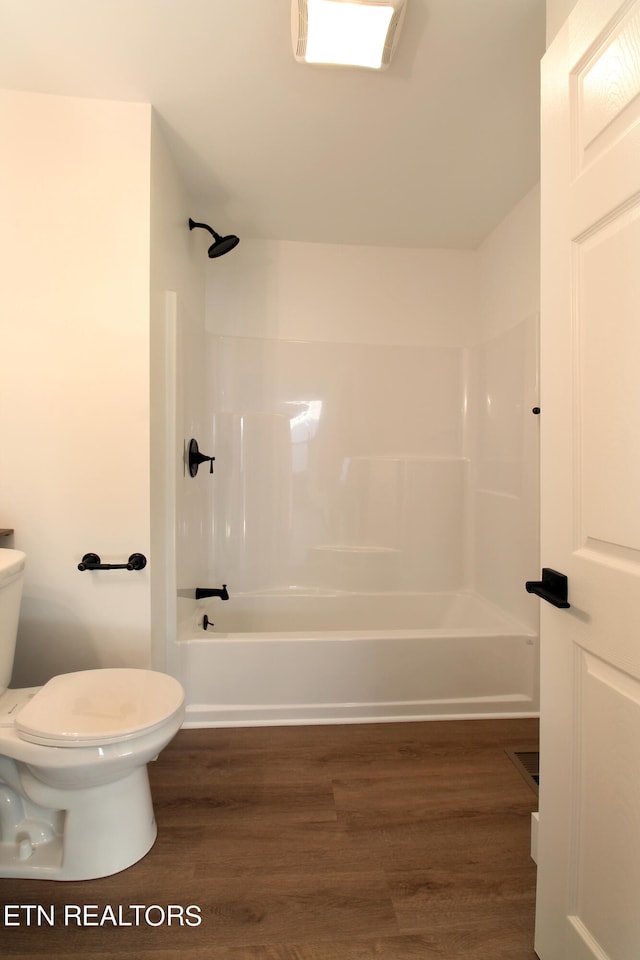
(5, 532)
(354, 550)
(408, 458)
(343, 566)
(503, 494)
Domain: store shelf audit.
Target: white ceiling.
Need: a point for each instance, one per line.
(432, 152)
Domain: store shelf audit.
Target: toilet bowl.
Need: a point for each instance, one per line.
(75, 802)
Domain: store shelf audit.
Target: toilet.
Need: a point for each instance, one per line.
(75, 802)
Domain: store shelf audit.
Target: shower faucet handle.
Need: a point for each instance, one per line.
(195, 458)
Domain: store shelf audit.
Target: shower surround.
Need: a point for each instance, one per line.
(372, 512)
(339, 466)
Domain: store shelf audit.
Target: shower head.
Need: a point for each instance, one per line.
(220, 245)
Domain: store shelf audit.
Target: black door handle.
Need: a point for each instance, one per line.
(553, 587)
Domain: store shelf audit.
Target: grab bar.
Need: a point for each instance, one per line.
(91, 561)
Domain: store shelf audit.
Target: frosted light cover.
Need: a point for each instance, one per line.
(343, 32)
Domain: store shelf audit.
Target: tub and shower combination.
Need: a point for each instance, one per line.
(337, 657)
(364, 584)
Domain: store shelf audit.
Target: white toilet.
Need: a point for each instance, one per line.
(75, 802)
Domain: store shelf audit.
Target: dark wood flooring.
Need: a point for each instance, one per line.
(400, 841)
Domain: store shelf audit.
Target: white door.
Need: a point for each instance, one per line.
(589, 840)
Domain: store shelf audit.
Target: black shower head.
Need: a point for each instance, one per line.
(220, 245)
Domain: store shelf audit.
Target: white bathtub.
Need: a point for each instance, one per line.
(326, 658)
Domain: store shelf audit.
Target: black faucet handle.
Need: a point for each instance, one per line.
(195, 458)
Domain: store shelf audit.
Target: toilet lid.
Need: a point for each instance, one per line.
(96, 707)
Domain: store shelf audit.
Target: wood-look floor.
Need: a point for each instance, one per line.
(401, 841)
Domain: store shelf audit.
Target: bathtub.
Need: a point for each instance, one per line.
(313, 657)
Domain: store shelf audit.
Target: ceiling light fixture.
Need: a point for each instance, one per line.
(359, 33)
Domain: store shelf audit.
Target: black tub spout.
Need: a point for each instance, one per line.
(202, 592)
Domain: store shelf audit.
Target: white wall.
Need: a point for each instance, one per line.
(503, 432)
(74, 391)
(508, 270)
(557, 13)
(335, 293)
(93, 235)
(177, 376)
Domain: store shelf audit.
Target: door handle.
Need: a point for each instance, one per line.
(553, 587)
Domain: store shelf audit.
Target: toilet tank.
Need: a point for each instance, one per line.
(11, 579)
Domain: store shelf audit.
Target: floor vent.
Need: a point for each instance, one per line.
(527, 763)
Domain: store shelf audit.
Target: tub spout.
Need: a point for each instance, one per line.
(202, 592)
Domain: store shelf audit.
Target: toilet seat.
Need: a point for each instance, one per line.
(98, 707)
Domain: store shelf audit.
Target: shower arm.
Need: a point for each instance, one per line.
(204, 226)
